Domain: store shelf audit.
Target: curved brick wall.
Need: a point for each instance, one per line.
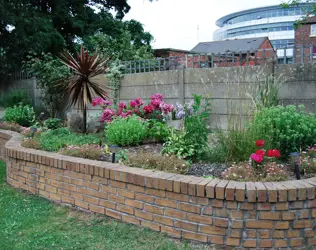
(240, 215)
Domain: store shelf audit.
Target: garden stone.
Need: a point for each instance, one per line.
(74, 122)
(94, 125)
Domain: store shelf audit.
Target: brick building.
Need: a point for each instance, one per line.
(169, 52)
(305, 41)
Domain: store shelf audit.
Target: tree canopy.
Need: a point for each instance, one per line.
(28, 26)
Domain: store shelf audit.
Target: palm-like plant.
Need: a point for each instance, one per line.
(84, 83)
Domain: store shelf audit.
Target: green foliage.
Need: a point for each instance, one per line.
(54, 140)
(49, 72)
(171, 164)
(31, 222)
(288, 129)
(122, 155)
(192, 143)
(53, 123)
(158, 131)
(126, 131)
(20, 114)
(15, 96)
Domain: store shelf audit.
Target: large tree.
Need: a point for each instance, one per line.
(54, 25)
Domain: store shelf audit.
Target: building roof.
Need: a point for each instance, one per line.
(220, 22)
(236, 45)
(172, 50)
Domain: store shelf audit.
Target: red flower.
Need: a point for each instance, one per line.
(260, 152)
(148, 109)
(257, 158)
(274, 153)
(260, 143)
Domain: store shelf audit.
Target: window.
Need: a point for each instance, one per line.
(314, 52)
(313, 30)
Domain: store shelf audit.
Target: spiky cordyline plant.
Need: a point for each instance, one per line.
(84, 84)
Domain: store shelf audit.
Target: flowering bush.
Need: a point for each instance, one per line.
(308, 160)
(261, 167)
(155, 109)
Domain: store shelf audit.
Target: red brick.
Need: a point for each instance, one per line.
(91, 200)
(116, 198)
(134, 203)
(145, 198)
(296, 242)
(125, 193)
(288, 215)
(231, 204)
(282, 225)
(237, 224)
(217, 203)
(280, 243)
(264, 206)
(311, 242)
(236, 214)
(178, 197)
(270, 216)
(77, 195)
(200, 219)
(154, 192)
(220, 212)
(151, 225)
(113, 214)
(264, 234)
(278, 234)
(163, 220)
(259, 224)
(304, 214)
(81, 204)
(96, 209)
(144, 215)
(265, 243)
(220, 222)
(199, 200)
(50, 189)
(107, 204)
(235, 233)
(154, 209)
(125, 209)
(232, 242)
(293, 234)
(195, 236)
(250, 243)
(186, 226)
(171, 231)
(296, 205)
(302, 224)
(247, 206)
(96, 193)
(189, 208)
(282, 206)
(176, 214)
(166, 203)
(219, 240)
(208, 210)
(130, 219)
(309, 233)
(137, 189)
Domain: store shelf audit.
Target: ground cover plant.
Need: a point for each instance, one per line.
(31, 222)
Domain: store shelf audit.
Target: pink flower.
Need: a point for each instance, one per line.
(157, 97)
(148, 109)
(107, 115)
(166, 108)
(122, 105)
(133, 103)
(97, 101)
(139, 102)
(155, 103)
(107, 103)
(256, 158)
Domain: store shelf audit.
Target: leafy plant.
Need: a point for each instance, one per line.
(53, 123)
(126, 131)
(171, 164)
(87, 151)
(14, 97)
(54, 140)
(158, 131)
(122, 155)
(49, 72)
(85, 81)
(286, 128)
(20, 114)
(308, 160)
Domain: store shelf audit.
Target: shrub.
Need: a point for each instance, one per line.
(23, 115)
(170, 164)
(53, 123)
(308, 160)
(15, 96)
(158, 131)
(126, 131)
(286, 128)
(54, 140)
(88, 151)
(31, 143)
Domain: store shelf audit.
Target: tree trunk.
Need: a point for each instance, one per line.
(84, 117)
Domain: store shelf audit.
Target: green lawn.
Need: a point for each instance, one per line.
(30, 222)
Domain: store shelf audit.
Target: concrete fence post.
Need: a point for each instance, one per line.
(181, 74)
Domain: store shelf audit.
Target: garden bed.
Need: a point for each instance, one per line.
(213, 211)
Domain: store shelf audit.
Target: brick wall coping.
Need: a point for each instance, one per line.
(298, 190)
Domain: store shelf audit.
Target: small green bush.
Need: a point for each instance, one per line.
(15, 96)
(158, 131)
(20, 114)
(287, 128)
(53, 123)
(126, 131)
(54, 140)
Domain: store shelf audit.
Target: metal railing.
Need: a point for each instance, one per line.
(288, 55)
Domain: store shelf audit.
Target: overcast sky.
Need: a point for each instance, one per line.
(173, 23)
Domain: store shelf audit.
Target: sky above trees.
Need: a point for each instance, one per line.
(173, 23)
